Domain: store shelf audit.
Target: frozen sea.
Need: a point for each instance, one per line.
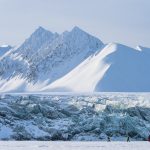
(40, 145)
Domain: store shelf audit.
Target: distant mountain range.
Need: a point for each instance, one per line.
(73, 61)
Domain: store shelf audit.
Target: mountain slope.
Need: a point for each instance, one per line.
(64, 54)
(38, 39)
(129, 71)
(16, 61)
(44, 57)
(115, 68)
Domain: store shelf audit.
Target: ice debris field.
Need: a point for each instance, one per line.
(75, 117)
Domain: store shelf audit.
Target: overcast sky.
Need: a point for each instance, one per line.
(122, 21)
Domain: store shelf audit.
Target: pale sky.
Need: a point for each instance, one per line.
(122, 21)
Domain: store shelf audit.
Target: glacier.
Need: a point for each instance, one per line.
(75, 117)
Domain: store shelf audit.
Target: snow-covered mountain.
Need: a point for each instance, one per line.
(44, 57)
(114, 68)
(40, 38)
(73, 61)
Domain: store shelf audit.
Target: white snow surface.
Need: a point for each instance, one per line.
(115, 68)
(84, 77)
(40, 145)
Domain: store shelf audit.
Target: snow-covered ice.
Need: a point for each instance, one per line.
(38, 145)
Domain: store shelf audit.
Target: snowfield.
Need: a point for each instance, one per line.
(75, 117)
(38, 145)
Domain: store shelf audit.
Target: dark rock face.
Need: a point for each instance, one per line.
(39, 117)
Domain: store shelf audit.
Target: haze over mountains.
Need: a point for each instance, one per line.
(73, 61)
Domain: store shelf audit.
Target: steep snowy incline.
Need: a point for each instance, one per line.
(115, 68)
(129, 71)
(84, 77)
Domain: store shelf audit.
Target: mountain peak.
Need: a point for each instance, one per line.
(41, 30)
(77, 29)
(37, 39)
(82, 35)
